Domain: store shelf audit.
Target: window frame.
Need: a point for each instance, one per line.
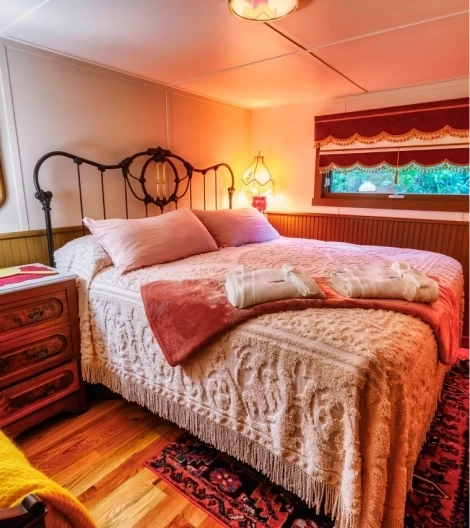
(416, 202)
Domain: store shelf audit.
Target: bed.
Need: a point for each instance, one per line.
(332, 404)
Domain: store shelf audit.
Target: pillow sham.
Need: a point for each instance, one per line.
(133, 244)
(237, 227)
(83, 256)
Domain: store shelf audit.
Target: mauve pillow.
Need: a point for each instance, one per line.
(133, 244)
(237, 227)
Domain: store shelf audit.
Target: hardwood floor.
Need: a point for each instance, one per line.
(99, 456)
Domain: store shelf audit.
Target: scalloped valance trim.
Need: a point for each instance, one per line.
(386, 136)
(385, 165)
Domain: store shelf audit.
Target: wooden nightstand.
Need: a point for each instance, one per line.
(39, 352)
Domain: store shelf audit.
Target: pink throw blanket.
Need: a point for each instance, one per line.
(186, 315)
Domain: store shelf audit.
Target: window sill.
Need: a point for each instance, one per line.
(458, 204)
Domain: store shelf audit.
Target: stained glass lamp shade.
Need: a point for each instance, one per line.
(262, 10)
(259, 180)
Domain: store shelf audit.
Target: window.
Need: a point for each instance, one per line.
(381, 159)
(442, 179)
(439, 174)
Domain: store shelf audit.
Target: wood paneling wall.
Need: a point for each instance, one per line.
(27, 247)
(441, 236)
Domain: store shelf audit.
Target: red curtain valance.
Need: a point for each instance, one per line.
(400, 123)
(395, 158)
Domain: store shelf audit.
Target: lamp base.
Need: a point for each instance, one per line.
(259, 202)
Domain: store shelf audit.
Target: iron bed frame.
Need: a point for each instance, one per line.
(160, 157)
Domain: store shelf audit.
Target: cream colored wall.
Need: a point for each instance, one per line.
(285, 136)
(48, 102)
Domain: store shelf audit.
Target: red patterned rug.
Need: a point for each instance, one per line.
(239, 497)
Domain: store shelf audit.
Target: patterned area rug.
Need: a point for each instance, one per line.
(239, 497)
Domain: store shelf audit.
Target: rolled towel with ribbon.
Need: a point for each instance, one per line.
(247, 288)
(399, 281)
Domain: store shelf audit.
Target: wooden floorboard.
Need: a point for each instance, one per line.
(100, 455)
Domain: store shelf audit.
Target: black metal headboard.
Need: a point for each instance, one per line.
(167, 187)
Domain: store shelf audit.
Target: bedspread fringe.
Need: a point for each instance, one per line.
(422, 440)
(316, 494)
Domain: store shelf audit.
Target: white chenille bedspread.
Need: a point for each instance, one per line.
(333, 404)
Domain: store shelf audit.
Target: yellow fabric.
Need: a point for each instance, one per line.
(18, 479)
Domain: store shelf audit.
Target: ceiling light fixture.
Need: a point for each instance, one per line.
(262, 10)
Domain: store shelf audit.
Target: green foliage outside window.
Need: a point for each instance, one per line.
(442, 179)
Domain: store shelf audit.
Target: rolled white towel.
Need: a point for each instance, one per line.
(247, 288)
(399, 281)
(376, 272)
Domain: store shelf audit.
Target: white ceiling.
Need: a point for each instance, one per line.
(326, 49)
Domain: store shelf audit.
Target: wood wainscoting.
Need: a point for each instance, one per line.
(441, 236)
(27, 247)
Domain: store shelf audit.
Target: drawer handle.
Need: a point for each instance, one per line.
(36, 314)
(41, 353)
(48, 390)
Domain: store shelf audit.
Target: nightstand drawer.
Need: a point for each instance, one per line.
(31, 355)
(29, 396)
(33, 313)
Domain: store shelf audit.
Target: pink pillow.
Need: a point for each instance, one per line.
(133, 244)
(237, 227)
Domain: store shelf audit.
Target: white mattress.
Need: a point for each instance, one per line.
(333, 404)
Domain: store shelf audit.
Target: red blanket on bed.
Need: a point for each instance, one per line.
(186, 315)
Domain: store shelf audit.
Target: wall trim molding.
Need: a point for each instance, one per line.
(12, 170)
(389, 218)
(39, 232)
(28, 247)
